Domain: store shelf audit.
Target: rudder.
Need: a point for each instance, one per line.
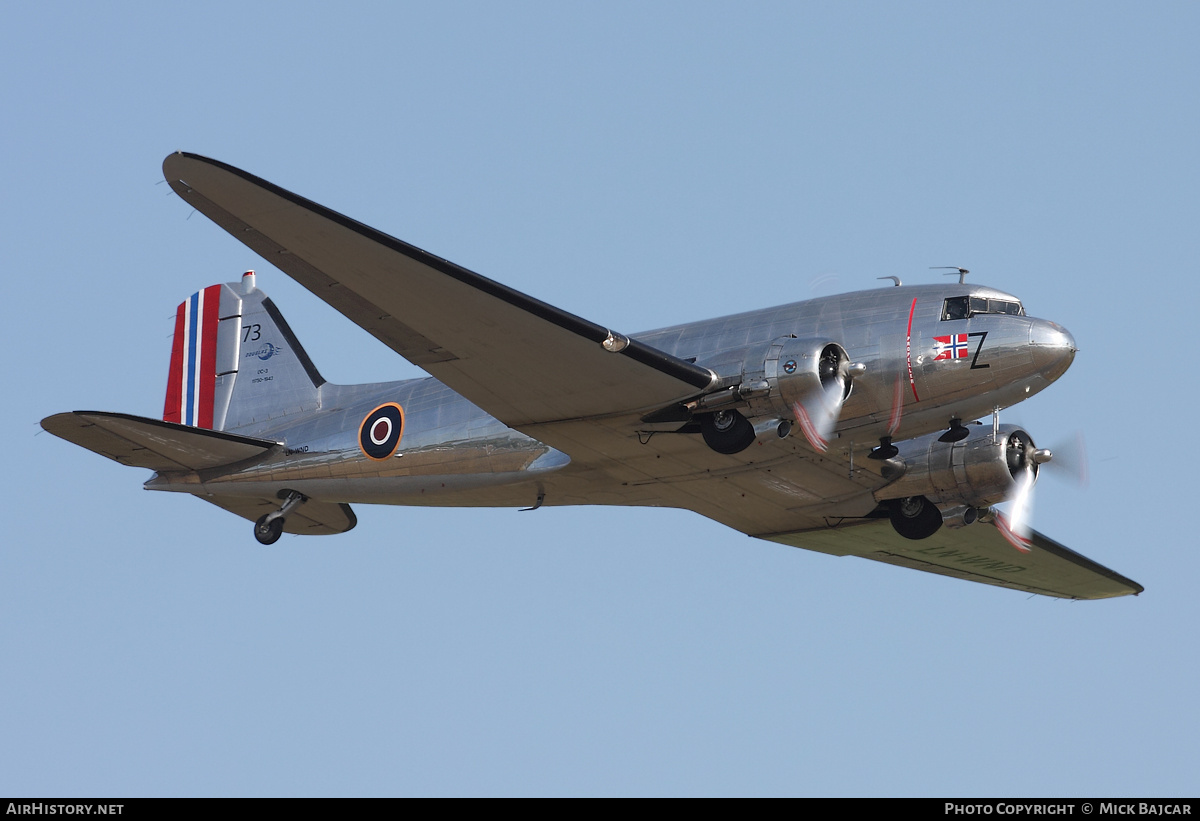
(201, 329)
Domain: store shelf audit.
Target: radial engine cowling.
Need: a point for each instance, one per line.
(802, 379)
(979, 471)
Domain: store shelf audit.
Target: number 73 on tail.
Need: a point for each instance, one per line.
(847, 425)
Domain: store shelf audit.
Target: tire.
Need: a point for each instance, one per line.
(915, 517)
(268, 532)
(727, 431)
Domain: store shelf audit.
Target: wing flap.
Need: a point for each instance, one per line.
(977, 553)
(150, 443)
(522, 360)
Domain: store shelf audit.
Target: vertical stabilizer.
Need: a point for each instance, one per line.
(235, 363)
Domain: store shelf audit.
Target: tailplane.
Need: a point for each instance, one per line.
(235, 363)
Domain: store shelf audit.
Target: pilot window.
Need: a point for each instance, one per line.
(962, 307)
(955, 308)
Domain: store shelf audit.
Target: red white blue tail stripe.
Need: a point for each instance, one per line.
(192, 379)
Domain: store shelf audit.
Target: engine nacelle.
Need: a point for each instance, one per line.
(798, 369)
(807, 380)
(979, 470)
(771, 378)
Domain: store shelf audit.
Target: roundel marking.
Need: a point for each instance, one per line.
(380, 431)
(789, 366)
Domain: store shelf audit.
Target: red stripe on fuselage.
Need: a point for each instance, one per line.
(908, 350)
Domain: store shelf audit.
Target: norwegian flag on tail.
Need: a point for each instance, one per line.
(950, 347)
(192, 379)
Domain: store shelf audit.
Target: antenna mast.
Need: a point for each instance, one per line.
(962, 272)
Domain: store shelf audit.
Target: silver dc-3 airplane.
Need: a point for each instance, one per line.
(845, 424)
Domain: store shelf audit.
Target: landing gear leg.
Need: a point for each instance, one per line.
(269, 528)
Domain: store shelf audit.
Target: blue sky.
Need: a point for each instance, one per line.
(639, 166)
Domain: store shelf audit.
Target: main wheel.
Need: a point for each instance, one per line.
(915, 517)
(268, 532)
(726, 431)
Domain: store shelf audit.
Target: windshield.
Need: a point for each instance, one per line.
(964, 307)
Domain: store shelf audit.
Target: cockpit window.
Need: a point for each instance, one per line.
(962, 307)
(955, 308)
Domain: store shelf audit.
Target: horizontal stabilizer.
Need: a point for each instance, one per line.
(309, 519)
(150, 443)
(978, 553)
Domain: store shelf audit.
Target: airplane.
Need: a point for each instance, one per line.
(847, 425)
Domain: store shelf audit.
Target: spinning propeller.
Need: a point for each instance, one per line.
(1023, 462)
(817, 409)
(815, 377)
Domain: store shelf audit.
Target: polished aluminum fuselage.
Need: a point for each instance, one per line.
(453, 453)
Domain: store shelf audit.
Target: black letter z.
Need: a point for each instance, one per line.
(975, 359)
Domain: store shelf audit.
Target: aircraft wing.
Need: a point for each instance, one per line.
(523, 361)
(149, 443)
(977, 553)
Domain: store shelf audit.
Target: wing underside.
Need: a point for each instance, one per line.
(520, 359)
(977, 553)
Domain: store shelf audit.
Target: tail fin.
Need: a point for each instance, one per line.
(235, 362)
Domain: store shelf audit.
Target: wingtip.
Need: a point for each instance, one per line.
(55, 421)
(170, 160)
(177, 157)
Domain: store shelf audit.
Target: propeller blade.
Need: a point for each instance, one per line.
(897, 406)
(1014, 525)
(817, 414)
(816, 396)
(902, 382)
(1070, 460)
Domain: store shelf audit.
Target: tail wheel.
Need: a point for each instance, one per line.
(727, 431)
(915, 517)
(268, 532)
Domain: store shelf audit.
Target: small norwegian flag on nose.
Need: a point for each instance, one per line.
(950, 347)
